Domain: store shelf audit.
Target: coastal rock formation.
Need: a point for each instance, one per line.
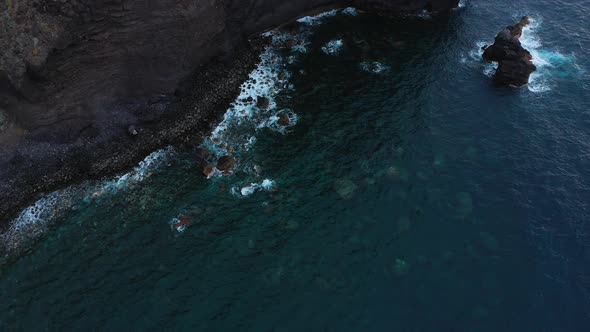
(76, 75)
(226, 164)
(514, 62)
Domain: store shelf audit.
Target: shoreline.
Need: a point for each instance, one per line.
(188, 118)
(113, 138)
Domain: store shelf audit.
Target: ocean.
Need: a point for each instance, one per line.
(389, 185)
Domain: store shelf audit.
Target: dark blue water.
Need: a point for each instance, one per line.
(408, 195)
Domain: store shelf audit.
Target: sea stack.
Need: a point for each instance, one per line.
(515, 63)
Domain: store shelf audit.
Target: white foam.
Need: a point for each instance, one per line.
(374, 67)
(550, 63)
(333, 47)
(462, 4)
(317, 19)
(139, 173)
(424, 14)
(350, 11)
(177, 225)
(33, 221)
(250, 188)
(243, 120)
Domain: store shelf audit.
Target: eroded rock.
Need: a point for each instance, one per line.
(262, 102)
(226, 164)
(515, 63)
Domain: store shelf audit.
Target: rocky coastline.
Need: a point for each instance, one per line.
(88, 89)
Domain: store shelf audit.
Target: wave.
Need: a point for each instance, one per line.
(550, 64)
(34, 220)
(250, 188)
(374, 67)
(256, 108)
(333, 47)
(317, 19)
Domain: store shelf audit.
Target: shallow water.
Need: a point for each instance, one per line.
(409, 193)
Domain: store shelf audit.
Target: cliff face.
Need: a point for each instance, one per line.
(75, 74)
(76, 56)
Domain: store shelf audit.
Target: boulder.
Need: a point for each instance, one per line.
(132, 130)
(290, 43)
(284, 120)
(514, 62)
(262, 102)
(226, 164)
(208, 170)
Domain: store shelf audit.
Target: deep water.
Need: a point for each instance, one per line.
(409, 194)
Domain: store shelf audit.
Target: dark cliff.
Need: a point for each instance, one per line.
(75, 74)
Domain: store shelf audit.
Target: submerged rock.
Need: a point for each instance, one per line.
(345, 188)
(514, 62)
(180, 224)
(400, 267)
(132, 130)
(226, 164)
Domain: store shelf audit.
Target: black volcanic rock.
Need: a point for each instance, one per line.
(262, 102)
(76, 74)
(514, 62)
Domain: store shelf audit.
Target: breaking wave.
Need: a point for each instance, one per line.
(550, 64)
(34, 221)
(257, 108)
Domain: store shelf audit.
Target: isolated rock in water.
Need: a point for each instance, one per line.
(208, 170)
(514, 62)
(226, 164)
(180, 224)
(290, 43)
(284, 120)
(248, 189)
(132, 130)
(345, 188)
(262, 102)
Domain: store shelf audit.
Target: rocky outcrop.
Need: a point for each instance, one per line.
(514, 62)
(91, 87)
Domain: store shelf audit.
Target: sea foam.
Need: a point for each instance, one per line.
(34, 220)
(333, 47)
(245, 119)
(551, 64)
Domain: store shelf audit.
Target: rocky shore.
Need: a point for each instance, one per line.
(88, 88)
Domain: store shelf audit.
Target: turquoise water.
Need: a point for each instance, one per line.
(409, 194)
